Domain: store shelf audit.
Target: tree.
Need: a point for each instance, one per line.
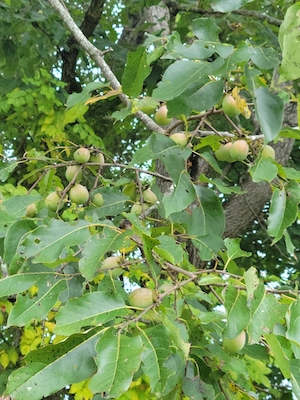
(149, 266)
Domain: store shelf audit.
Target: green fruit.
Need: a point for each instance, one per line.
(268, 152)
(79, 194)
(98, 200)
(52, 201)
(130, 190)
(149, 196)
(235, 345)
(138, 208)
(165, 287)
(82, 155)
(179, 138)
(111, 264)
(97, 158)
(239, 150)
(160, 116)
(223, 153)
(71, 171)
(31, 210)
(141, 298)
(229, 106)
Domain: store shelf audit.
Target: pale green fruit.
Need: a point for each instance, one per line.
(229, 106)
(130, 190)
(160, 116)
(112, 265)
(268, 152)
(138, 208)
(82, 155)
(141, 298)
(165, 287)
(149, 196)
(98, 200)
(52, 201)
(235, 345)
(71, 172)
(97, 158)
(223, 153)
(239, 150)
(31, 210)
(79, 194)
(179, 138)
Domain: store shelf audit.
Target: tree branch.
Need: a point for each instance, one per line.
(97, 56)
(246, 13)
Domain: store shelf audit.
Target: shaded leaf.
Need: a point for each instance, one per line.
(118, 358)
(53, 367)
(238, 314)
(89, 310)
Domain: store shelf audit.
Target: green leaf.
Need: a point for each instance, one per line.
(266, 311)
(208, 245)
(238, 314)
(269, 112)
(96, 247)
(118, 358)
(295, 377)
(277, 352)
(168, 249)
(183, 193)
(252, 282)
(157, 347)
(85, 94)
(208, 217)
(179, 76)
(227, 6)
(27, 309)
(264, 169)
(20, 283)
(13, 236)
(264, 58)
(162, 146)
(135, 72)
(293, 332)
(54, 367)
(46, 243)
(7, 169)
(289, 42)
(234, 250)
(75, 113)
(197, 99)
(221, 186)
(91, 309)
(283, 210)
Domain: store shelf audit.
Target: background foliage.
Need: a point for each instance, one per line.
(222, 237)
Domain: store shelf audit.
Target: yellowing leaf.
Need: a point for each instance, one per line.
(4, 360)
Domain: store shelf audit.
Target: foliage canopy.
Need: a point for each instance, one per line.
(122, 278)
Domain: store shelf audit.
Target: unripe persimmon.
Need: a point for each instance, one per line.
(97, 158)
(229, 106)
(268, 152)
(71, 171)
(179, 138)
(31, 210)
(235, 345)
(141, 297)
(82, 155)
(149, 196)
(223, 153)
(165, 287)
(138, 208)
(79, 194)
(98, 200)
(52, 201)
(239, 150)
(112, 265)
(130, 190)
(161, 116)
